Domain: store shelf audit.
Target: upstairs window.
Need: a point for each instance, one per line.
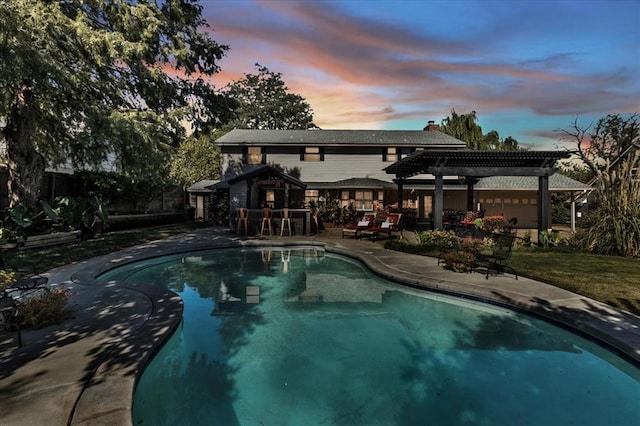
(311, 153)
(390, 154)
(254, 155)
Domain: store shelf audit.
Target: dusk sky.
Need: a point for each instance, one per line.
(526, 67)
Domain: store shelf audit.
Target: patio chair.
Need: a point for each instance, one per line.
(501, 252)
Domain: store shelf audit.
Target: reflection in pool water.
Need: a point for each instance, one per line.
(298, 337)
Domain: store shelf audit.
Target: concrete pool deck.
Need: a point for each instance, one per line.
(84, 371)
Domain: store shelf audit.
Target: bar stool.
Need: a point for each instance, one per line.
(286, 221)
(266, 220)
(243, 221)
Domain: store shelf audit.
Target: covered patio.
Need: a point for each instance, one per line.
(471, 165)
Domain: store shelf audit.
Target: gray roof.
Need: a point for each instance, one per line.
(433, 138)
(357, 183)
(202, 186)
(267, 170)
(557, 182)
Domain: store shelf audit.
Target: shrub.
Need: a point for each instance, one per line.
(577, 242)
(459, 261)
(548, 239)
(438, 240)
(617, 227)
(401, 245)
(49, 309)
(6, 279)
(493, 223)
(525, 241)
(472, 246)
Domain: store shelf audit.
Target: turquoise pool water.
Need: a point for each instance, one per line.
(300, 337)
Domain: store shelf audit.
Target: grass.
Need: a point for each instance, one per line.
(608, 279)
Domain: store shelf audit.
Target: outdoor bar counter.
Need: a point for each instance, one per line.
(300, 221)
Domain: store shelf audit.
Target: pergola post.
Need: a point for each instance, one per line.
(543, 204)
(438, 204)
(470, 183)
(573, 213)
(400, 199)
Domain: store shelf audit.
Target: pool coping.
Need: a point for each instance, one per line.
(105, 393)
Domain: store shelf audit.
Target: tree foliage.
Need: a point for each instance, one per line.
(264, 102)
(86, 80)
(602, 145)
(111, 186)
(466, 128)
(196, 159)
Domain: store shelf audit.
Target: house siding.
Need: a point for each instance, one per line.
(339, 163)
(359, 154)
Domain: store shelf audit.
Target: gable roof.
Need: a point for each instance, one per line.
(431, 138)
(202, 186)
(267, 170)
(208, 185)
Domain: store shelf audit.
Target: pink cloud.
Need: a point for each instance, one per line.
(358, 72)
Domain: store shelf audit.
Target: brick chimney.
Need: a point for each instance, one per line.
(431, 126)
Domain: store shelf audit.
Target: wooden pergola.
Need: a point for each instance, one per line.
(476, 164)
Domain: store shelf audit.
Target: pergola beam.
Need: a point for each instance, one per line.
(480, 171)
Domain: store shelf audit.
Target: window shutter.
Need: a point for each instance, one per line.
(322, 153)
(244, 154)
(384, 154)
(302, 153)
(263, 151)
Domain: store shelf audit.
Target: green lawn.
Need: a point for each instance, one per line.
(609, 279)
(612, 280)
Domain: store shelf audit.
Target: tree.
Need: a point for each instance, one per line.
(264, 102)
(466, 128)
(196, 159)
(85, 80)
(606, 143)
(509, 144)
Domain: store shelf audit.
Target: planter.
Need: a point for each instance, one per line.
(45, 240)
(8, 244)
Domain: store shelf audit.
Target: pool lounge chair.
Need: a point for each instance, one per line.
(390, 225)
(357, 229)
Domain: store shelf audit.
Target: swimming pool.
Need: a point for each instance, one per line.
(298, 336)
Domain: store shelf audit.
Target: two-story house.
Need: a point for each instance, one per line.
(290, 168)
